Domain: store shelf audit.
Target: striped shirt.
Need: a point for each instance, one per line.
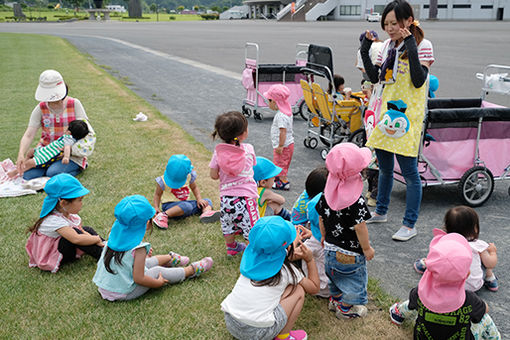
(425, 51)
(44, 154)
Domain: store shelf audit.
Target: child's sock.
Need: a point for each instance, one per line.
(337, 298)
(285, 214)
(232, 245)
(345, 309)
(283, 336)
(490, 278)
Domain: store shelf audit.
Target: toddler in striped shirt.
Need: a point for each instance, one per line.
(45, 155)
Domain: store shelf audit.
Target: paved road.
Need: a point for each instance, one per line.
(190, 72)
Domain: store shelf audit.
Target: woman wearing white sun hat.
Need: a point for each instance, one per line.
(53, 114)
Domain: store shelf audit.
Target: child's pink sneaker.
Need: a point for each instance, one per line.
(210, 216)
(201, 266)
(178, 260)
(161, 220)
(295, 335)
(239, 248)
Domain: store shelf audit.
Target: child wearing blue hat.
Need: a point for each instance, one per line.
(124, 271)
(176, 182)
(269, 294)
(58, 236)
(314, 184)
(264, 173)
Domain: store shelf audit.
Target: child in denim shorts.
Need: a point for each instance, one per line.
(344, 234)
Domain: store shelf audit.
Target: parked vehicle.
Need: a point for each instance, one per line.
(374, 17)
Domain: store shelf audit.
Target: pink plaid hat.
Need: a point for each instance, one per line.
(344, 184)
(441, 288)
(280, 94)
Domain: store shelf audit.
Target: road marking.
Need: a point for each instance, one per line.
(193, 63)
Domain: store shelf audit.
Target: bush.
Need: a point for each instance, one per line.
(210, 16)
(172, 17)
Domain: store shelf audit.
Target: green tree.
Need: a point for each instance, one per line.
(180, 8)
(195, 7)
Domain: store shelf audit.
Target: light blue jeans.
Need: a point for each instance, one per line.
(409, 168)
(54, 169)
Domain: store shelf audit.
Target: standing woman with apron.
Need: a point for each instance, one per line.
(398, 104)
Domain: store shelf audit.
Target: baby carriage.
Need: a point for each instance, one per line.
(467, 141)
(335, 123)
(257, 78)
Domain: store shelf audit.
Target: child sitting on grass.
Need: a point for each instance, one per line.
(264, 173)
(314, 184)
(124, 271)
(344, 233)
(45, 155)
(446, 310)
(464, 220)
(269, 294)
(176, 182)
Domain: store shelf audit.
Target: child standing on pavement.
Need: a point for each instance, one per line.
(344, 233)
(282, 137)
(269, 294)
(176, 182)
(232, 163)
(464, 220)
(124, 271)
(446, 310)
(264, 173)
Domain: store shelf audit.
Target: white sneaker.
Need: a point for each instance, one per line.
(404, 234)
(377, 219)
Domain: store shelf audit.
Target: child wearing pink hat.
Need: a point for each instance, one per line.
(282, 137)
(344, 234)
(446, 310)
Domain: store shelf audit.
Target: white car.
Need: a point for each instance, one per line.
(374, 17)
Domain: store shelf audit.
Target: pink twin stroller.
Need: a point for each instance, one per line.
(467, 141)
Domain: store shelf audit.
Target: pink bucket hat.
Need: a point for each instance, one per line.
(280, 94)
(344, 184)
(441, 288)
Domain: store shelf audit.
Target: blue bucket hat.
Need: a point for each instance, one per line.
(177, 170)
(269, 239)
(132, 214)
(61, 186)
(433, 85)
(265, 169)
(313, 216)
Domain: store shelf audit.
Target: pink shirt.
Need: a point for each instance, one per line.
(242, 184)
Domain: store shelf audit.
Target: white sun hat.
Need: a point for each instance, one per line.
(51, 87)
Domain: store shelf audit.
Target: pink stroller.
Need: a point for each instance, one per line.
(467, 141)
(257, 78)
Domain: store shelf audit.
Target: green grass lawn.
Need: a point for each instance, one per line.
(55, 15)
(128, 156)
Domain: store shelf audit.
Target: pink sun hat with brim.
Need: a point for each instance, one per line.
(441, 288)
(280, 94)
(51, 87)
(344, 184)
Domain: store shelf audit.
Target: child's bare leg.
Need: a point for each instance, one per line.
(292, 304)
(489, 273)
(29, 163)
(174, 211)
(229, 238)
(283, 178)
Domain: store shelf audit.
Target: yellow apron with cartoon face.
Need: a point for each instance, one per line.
(406, 142)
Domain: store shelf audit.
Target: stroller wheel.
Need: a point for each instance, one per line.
(324, 153)
(339, 134)
(303, 110)
(257, 115)
(358, 137)
(313, 142)
(476, 186)
(508, 191)
(305, 142)
(246, 112)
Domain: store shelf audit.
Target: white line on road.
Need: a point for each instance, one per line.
(197, 64)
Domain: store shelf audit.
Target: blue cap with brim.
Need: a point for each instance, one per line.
(132, 214)
(265, 169)
(58, 187)
(177, 170)
(313, 216)
(269, 239)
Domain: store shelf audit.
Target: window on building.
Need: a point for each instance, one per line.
(462, 6)
(438, 6)
(486, 6)
(350, 10)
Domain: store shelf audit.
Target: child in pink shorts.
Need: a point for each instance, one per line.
(282, 137)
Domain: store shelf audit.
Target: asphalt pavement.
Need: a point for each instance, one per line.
(191, 72)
